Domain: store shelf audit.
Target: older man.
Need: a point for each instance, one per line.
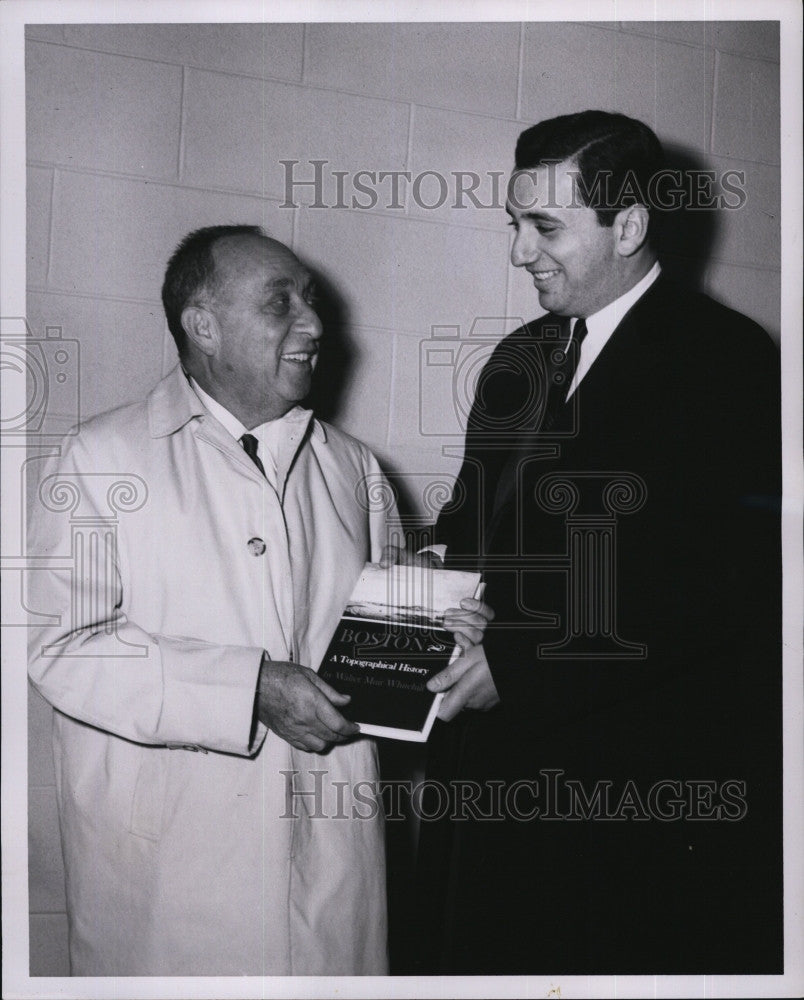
(200, 830)
(620, 488)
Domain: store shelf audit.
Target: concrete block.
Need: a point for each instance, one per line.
(751, 38)
(45, 864)
(102, 111)
(450, 143)
(691, 32)
(471, 67)
(573, 67)
(40, 182)
(259, 124)
(568, 68)
(435, 381)
(270, 50)
(120, 345)
(750, 234)
(422, 479)
(414, 408)
(401, 274)
(114, 236)
(668, 86)
(752, 291)
(353, 382)
(746, 115)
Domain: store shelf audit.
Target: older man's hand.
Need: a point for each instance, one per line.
(300, 707)
(395, 555)
(468, 684)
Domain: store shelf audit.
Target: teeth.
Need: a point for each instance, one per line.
(296, 357)
(541, 275)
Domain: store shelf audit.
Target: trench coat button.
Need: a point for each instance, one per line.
(256, 546)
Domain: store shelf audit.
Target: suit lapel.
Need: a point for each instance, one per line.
(561, 420)
(535, 442)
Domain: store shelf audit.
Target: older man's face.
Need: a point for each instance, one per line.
(561, 243)
(269, 329)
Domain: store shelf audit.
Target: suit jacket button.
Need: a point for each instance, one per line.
(256, 546)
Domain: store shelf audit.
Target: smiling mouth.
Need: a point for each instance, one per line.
(300, 357)
(544, 275)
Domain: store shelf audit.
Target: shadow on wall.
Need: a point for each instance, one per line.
(333, 378)
(337, 351)
(685, 236)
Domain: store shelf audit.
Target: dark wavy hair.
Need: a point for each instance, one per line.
(191, 271)
(616, 157)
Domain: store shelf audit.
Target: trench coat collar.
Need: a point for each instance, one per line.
(172, 404)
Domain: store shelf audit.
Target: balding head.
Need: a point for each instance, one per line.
(191, 273)
(234, 253)
(251, 330)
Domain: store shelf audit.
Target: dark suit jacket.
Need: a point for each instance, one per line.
(631, 547)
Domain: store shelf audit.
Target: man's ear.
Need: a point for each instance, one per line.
(201, 328)
(631, 225)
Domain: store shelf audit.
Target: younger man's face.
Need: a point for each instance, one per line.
(560, 242)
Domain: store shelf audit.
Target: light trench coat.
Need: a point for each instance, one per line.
(167, 564)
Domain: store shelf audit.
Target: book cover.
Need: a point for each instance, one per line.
(390, 641)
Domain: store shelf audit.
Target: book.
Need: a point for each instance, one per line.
(390, 641)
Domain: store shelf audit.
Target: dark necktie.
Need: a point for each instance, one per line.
(578, 335)
(562, 376)
(249, 443)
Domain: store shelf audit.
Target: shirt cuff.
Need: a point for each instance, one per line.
(439, 550)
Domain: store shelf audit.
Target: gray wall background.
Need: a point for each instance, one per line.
(139, 133)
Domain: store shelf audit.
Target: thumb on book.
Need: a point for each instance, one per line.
(334, 696)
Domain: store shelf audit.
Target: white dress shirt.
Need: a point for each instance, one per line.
(269, 435)
(601, 325)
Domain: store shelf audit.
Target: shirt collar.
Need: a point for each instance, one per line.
(604, 322)
(293, 419)
(173, 402)
(227, 420)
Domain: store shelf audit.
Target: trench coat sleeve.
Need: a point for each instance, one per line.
(95, 665)
(383, 515)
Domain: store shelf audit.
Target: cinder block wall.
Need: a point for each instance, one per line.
(139, 133)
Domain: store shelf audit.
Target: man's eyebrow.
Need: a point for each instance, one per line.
(305, 281)
(535, 216)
